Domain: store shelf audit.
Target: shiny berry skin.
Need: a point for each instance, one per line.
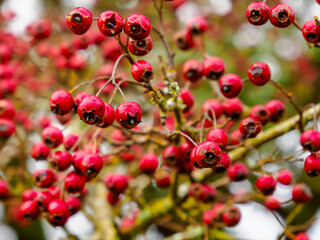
(259, 73)
(40, 151)
(116, 183)
(260, 114)
(91, 110)
(28, 194)
(128, 114)
(236, 137)
(140, 47)
(310, 140)
(29, 210)
(311, 31)
(74, 204)
(91, 165)
(58, 212)
(208, 154)
(233, 108)
(208, 194)
(249, 127)
(112, 198)
(44, 178)
(109, 116)
(7, 127)
(79, 97)
(148, 163)
(212, 104)
(61, 102)
(142, 71)
(285, 177)
(301, 193)
(275, 109)
(266, 184)
(70, 140)
(281, 16)
(187, 99)
(137, 27)
(224, 163)
(7, 109)
(238, 172)
(302, 236)
(230, 85)
(219, 136)
(74, 183)
(197, 25)
(231, 216)
(77, 159)
(110, 23)
(79, 20)
(192, 70)
(209, 217)
(3, 189)
(184, 40)
(213, 68)
(272, 203)
(43, 198)
(312, 165)
(60, 160)
(171, 155)
(55, 192)
(163, 178)
(257, 13)
(52, 137)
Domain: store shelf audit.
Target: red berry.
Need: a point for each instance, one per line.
(109, 116)
(29, 210)
(266, 184)
(7, 109)
(224, 163)
(91, 165)
(116, 183)
(137, 27)
(110, 23)
(39, 29)
(52, 137)
(3, 189)
(140, 47)
(208, 194)
(44, 178)
(60, 160)
(74, 204)
(195, 190)
(310, 140)
(171, 155)
(275, 109)
(259, 73)
(70, 140)
(249, 127)
(311, 31)
(209, 217)
(61, 102)
(238, 172)
(303, 235)
(183, 40)
(163, 178)
(58, 212)
(312, 165)
(236, 137)
(192, 70)
(112, 198)
(74, 183)
(272, 203)
(142, 71)
(28, 194)
(5, 53)
(197, 25)
(231, 216)
(128, 114)
(213, 68)
(233, 108)
(230, 85)
(187, 99)
(148, 163)
(43, 198)
(91, 110)
(281, 15)
(257, 13)
(40, 151)
(55, 192)
(212, 105)
(208, 154)
(77, 159)
(301, 193)
(7, 128)
(260, 114)
(219, 136)
(285, 177)
(79, 20)
(79, 97)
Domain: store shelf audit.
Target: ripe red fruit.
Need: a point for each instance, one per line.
(236, 137)
(266, 184)
(208, 194)
(110, 23)
(40, 151)
(212, 104)
(162, 178)
(137, 26)
(74, 204)
(224, 163)
(272, 203)
(109, 116)
(183, 40)
(3, 189)
(116, 183)
(58, 212)
(112, 198)
(60, 160)
(312, 165)
(43, 198)
(142, 71)
(148, 163)
(207, 154)
(285, 177)
(79, 20)
(258, 13)
(275, 110)
(195, 190)
(7, 109)
(171, 155)
(140, 47)
(128, 114)
(197, 25)
(260, 114)
(52, 137)
(91, 110)
(74, 183)
(310, 140)
(230, 85)
(311, 31)
(301, 193)
(39, 29)
(238, 172)
(209, 217)
(70, 140)
(231, 216)
(213, 68)
(259, 73)
(233, 108)
(28, 194)
(7, 128)
(44, 178)
(303, 235)
(79, 97)
(61, 102)
(29, 210)
(281, 16)
(91, 165)
(187, 99)
(192, 70)
(219, 136)
(77, 159)
(249, 127)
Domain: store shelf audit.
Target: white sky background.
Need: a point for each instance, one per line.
(256, 223)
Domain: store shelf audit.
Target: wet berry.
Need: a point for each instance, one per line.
(302, 236)
(28, 194)
(312, 165)
(224, 163)
(212, 105)
(163, 178)
(112, 198)
(183, 40)
(79, 97)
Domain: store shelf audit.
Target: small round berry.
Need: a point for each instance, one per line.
(29, 210)
(192, 70)
(137, 26)
(116, 183)
(260, 114)
(74, 183)
(110, 23)
(52, 137)
(212, 105)
(28, 194)
(171, 155)
(74, 204)
(230, 85)
(70, 140)
(233, 108)
(208, 154)
(213, 68)
(77, 159)
(312, 165)
(3, 189)
(249, 127)
(163, 178)
(58, 212)
(44, 178)
(236, 137)
(238, 172)
(197, 25)
(109, 116)
(79, 97)
(209, 217)
(140, 47)
(184, 40)
(61, 102)
(231, 216)
(128, 114)
(285, 177)
(224, 163)
(142, 71)
(219, 136)
(43, 198)
(91, 110)
(91, 165)
(311, 31)
(7, 128)
(272, 203)
(302, 235)
(7, 109)
(281, 16)
(79, 20)
(258, 13)
(266, 184)
(208, 194)
(148, 163)
(40, 151)
(187, 99)
(275, 109)
(310, 140)
(60, 160)
(259, 73)
(55, 192)
(40, 29)
(301, 193)
(112, 198)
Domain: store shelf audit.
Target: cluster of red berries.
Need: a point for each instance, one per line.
(310, 140)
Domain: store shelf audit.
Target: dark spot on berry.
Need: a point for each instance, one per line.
(263, 113)
(311, 36)
(210, 158)
(191, 74)
(226, 88)
(76, 18)
(135, 29)
(147, 75)
(171, 160)
(89, 117)
(283, 15)
(256, 71)
(255, 15)
(209, 198)
(214, 75)
(48, 142)
(111, 24)
(27, 217)
(141, 44)
(219, 169)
